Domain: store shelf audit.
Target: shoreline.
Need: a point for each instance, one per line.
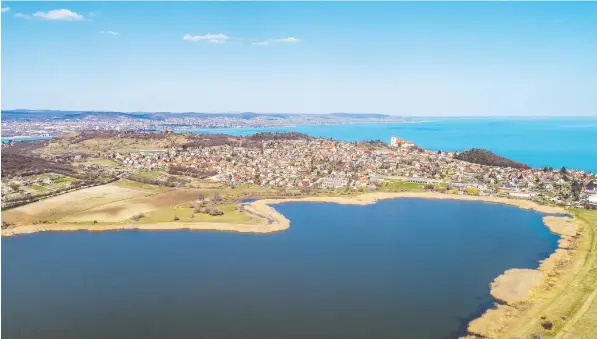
(275, 221)
(525, 295)
(514, 287)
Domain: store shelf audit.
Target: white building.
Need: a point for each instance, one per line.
(522, 194)
(593, 199)
(422, 181)
(334, 182)
(394, 141)
(397, 142)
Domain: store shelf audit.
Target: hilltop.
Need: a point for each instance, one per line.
(488, 158)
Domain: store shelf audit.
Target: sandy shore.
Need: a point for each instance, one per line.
(205, 226)
(370, 198)
(273, 220)
(526, 291)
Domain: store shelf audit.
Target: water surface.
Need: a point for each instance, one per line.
(405, 268)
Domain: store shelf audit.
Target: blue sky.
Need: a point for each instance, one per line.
(410, 58)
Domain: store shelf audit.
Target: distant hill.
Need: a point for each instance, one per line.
(486, 157)
(60, 115)
(18, 114)
(359, 115)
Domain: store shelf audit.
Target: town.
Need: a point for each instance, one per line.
(51, 123)
(297, 161)
(328, 164)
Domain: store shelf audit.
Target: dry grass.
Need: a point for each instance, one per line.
(567, 296)
(232, 215)
(583, 325)
(61, 206)
(122, 210)
(98, 161)
(68, 146)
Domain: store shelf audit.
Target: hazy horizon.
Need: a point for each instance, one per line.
(302, 113)
(420, 59)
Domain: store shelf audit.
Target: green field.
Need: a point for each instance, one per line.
(138, 185)
(98, 161)
(185, 214)
(56, 183)
(400, 185)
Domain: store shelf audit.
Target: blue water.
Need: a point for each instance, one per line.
(406, 268)
(7, 139)
(539, 142)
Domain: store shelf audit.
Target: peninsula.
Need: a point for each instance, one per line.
(108, 181)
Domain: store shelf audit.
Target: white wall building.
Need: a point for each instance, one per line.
(394, 141)
(522, 194)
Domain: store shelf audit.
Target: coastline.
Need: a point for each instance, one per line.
(527, 295)
(275, 221)
(516, 288)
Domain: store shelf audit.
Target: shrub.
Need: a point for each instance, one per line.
(548, 325)
(6, 224)
(215, 212)
(176, 218)
(137, 216)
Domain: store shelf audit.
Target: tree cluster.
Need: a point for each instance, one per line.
(486, 157)
(191, 172)
(208, 210)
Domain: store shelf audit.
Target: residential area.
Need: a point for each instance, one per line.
(317, 163)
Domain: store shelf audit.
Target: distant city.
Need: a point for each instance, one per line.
(36, 123)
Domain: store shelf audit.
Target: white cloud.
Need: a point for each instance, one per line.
(5, 9)
(109, 32)
(213, 38)
(22, 16)
(59, 15)
(289, 40)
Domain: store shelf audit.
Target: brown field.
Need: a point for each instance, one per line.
(119, 201)
(123, 210)
(61, 206)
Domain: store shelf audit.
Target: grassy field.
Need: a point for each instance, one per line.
(185, 214)
(125, 183)
(69, 144)
(150, 174)
(98, 161)
(583, 325)
(119, 201)
(400, 185)
(55, 182)
(58, 207)
(123, 210)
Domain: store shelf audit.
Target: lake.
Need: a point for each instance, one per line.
(539, 142)
(15, 139)
(404, 268)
